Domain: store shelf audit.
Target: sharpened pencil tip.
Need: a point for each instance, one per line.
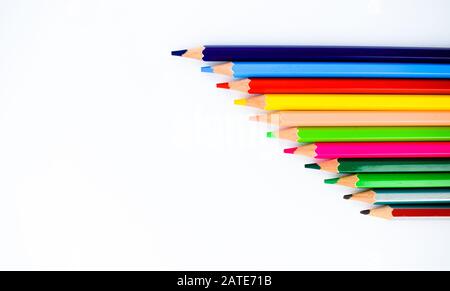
(179, 53)
(365, 212)
(207, 69)
(331, 181)
(312, 166)
(242, 101)
(290, 150)
(223, 85)
(348, 196)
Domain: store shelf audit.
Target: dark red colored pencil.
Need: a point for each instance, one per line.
(391, 211)
(336, 86)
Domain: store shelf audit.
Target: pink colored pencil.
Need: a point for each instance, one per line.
(334, 150)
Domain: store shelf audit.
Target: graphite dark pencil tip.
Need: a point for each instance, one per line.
(348, 196)
(365, 212)
(312, 166)
(179, 53)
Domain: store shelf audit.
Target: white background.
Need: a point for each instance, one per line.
(115, 155)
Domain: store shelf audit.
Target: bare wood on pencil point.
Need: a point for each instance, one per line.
(194, 53)
(365, 196)
(239, 85)
(349, 181)
(254, 101)
(271, 118)
(329, 166)
(287, 133)
(260, 118)
(223, 69)
(308, 150)
(381, 212)
(254, 118)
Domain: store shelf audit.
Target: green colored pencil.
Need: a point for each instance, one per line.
(363, 133)
(393, 180)
(382, 165)
(389, 196)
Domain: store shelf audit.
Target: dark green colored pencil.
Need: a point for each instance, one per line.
(382, 165)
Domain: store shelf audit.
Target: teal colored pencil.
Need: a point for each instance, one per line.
(389, 196)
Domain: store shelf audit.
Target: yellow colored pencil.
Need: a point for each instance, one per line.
(346, 102)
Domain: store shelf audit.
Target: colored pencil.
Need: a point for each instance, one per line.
(330, 70)
(363, 133)
(393, 180)
(266, 53)
(389, 196)
(355, 118)
(374, 150)
(374, 102)
(391, 211)
(342, 85)
(382, 165)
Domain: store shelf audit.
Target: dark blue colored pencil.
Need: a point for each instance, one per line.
(317, 53)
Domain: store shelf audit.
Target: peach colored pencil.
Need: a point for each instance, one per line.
(355, 118)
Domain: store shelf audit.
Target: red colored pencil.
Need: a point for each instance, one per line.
(336, 86)
(391, 211)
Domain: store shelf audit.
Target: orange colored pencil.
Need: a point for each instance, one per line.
(355, 118)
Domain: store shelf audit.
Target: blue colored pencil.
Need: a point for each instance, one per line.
(330, 70)
(265, 53)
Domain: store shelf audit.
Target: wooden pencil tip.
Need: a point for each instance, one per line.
(242, 102)
(308, 150)
(348, 196)
(254, 118)
(223, 85)
(365, 212)
(179, 53)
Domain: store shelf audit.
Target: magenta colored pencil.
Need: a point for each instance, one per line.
(334, 150)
